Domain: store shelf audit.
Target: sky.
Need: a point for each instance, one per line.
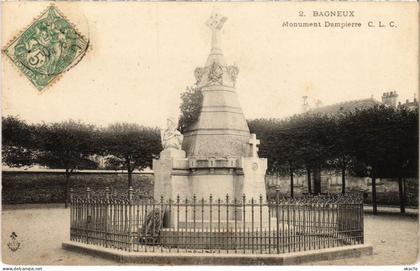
(143, 55)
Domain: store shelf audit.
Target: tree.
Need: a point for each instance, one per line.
(130, 146)
(301, 141)
(377, 142)
(191, 102)
(276, 146)
(403, 151)
(18, 145)
(266, 130)
(373, 140)
(66, 145)
(341, 152)
(312, 141)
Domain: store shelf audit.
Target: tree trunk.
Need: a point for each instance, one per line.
(343, 180)
(375, 207)
(308, 170)
(130, 179)
(291, 183)
(401, 191)
(66, 189)
(129, 173)
(316, 177)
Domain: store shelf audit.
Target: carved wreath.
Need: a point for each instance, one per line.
(215, 75)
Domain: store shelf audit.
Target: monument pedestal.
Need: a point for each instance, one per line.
(195, 180)
(254, 169)
(171, 166)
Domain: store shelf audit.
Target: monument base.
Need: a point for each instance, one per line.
(195, 182)
(175, 175)
(174, 258)
(245, 238)
(224, 225)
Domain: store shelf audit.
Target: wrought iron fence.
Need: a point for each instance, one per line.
(133, 223)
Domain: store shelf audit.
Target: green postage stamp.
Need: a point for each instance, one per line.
(48, 47)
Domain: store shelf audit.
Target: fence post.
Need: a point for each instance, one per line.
(194, 220)
(244, 223)
(72, 213)
(227, 222)
(71, 194)
(186, 230)
(201, 240)
(362, 219)
(88, 214)
(252, 225)
(177, 223)
(260, 236)
(211, 221)
(161, 214)
(277, 220)
(130, 203)
(107, 197)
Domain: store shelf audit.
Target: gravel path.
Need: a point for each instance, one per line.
(395, 241)
(41, 231)
(42, 228)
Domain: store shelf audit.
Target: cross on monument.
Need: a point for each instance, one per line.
(253, 141)
(215, 23)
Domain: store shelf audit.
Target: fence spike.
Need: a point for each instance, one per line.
(309, 222)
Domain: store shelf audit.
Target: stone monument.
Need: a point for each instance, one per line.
(219, 156)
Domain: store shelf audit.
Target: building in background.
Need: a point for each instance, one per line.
(330, 180)
(388, 99)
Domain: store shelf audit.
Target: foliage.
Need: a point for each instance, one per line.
(191, 102)
(297, 142)
(71, 145)
(17, 142)
(129, 146)
(382, 138)
(386, 140)
(66, 145)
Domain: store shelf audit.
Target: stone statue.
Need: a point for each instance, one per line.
(171, 137)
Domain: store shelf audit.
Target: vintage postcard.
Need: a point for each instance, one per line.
(209, 133)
